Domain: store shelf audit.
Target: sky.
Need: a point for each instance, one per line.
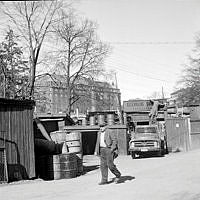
(150, 41)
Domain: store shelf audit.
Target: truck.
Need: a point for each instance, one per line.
(148, 139)
(149, 135)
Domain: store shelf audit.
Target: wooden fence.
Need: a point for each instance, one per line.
(16, 124)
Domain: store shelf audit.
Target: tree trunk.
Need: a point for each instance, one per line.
(32, 79)
(68, 101)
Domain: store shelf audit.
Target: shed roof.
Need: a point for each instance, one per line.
(4, 101)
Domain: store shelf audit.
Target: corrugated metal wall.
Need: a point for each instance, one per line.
(178, 134)
(195, 133)
(195, 126)
(16, 121)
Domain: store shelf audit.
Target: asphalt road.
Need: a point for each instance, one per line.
(173, 177)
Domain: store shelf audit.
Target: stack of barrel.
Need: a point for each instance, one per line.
(102, 118)
(69, 164)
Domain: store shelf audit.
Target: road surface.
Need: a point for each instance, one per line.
(173, 177)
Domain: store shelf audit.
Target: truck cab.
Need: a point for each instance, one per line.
(146, 139)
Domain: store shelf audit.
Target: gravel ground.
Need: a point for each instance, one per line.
(173, 177)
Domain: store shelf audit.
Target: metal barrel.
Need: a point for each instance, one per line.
(73, 141)
(92, 120)
(110, 119)
(100, 119)
(62, 166)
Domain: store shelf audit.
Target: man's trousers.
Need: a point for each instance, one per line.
(107, 162)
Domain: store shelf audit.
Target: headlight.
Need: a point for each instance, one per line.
(155, 144)
(132, 145)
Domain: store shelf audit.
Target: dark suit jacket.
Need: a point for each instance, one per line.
(110, 139)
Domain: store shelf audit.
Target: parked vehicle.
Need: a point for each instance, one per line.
(146, 139)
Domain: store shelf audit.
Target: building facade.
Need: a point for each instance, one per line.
(50, 96)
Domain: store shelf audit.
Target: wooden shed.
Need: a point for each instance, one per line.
(16, 132)
(51, 122)
(89, 136)
(178, 134)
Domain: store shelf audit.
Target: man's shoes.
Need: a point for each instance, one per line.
(103, 183)
(117, 180)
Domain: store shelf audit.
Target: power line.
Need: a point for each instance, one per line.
(154, 43)
(120, 66)
(138, 60)
(142, 58)
(137, 74)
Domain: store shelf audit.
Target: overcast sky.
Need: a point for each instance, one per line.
(150, 40)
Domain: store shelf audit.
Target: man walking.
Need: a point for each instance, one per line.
(106, 147)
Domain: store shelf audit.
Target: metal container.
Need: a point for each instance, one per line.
(92, 120)
(84, 122)
(101, 119)
(73, 141)
(110, 119)
(62, 166)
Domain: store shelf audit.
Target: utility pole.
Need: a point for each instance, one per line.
(119, 102)
(116, 84)
(163, 96)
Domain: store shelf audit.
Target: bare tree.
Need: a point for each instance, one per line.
(81, 55)
(189, 82)
(32, 21)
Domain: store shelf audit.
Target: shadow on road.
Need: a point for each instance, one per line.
(123, 179)
(87, 169)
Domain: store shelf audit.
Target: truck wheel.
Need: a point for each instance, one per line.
(166, 148)
(159, 154)
(162, 148)
(133, 155)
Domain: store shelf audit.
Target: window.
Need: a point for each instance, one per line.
(146, 130)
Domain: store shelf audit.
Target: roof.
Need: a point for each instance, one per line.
(26, 102)
(56, 117)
